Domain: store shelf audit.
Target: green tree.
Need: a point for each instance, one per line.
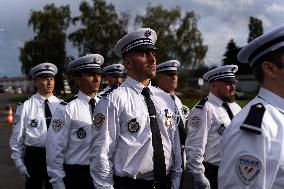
(178, 37)
(230, 57)
(190, 48)
(48, 44)
(255, 28)
(100, 29)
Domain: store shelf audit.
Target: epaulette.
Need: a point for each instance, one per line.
(201, 103)
(110, 90)
(65, 102)
(20, 103)
(253, 120)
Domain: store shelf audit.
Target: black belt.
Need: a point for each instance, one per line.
(33, 149)
(126, 181)
(210, 166)
(76, 167)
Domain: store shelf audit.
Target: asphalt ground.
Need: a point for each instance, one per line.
(9, 176)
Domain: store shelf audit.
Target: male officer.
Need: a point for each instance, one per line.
(252, 147)
(136, 143)
(70, 133)
(32, 120)
(167, 79)
(207, 122)
(115, 75)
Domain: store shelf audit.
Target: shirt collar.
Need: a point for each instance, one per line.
(272, 98)
(42, 98)
(85, 98)
(215, 99)
(138, 87)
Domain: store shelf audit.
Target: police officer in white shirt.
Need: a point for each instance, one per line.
(115, 75)
(253, 146)
(207, 122)
(167, 79)
(70, 133)
(136, 143)
(31, 122)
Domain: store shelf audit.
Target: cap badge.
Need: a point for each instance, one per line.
(147, 33)
(47, 66)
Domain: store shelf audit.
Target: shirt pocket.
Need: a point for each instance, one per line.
(220, 123)
(135, 126)
(80, 132)
(35, 125)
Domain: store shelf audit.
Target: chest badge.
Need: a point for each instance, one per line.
(221, 129)
(133, 125)
(169, 118)
(81, 133)
(34, 123)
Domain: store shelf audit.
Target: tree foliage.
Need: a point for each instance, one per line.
(231, 57)
(48, 44)
(100, 29)
(178, 36)
(255, 28)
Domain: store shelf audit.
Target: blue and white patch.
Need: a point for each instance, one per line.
(248, 168)
(195, 121)
(99, 120)
(57, 125)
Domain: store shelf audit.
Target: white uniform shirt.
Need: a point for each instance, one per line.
(205, 128)
(179, 107)
(69, 137)
(255, 161)
(115, 150)
(29, 128)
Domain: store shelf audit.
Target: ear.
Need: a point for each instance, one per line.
(77, 80)
(127, 62)
(269, 69)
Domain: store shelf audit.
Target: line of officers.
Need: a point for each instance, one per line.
(136, 135)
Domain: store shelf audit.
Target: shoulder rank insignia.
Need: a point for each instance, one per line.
(20, 103)
(65, 102)
(253, 120)
(201, 103)
(110, 90)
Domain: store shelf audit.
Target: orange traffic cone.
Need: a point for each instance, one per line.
(10, 114)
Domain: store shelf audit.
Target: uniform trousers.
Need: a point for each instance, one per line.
(129, 183)
(211, 173)
(78, 176)
(35, 162)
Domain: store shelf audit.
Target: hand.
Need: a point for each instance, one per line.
(23, 171)
(201, 182)
(59, 185)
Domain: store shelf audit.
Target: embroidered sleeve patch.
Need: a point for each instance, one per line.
(195, 121)
(57, 125)
(99, 120)
(248, 168)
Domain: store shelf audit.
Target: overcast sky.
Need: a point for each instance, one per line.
(220, 21)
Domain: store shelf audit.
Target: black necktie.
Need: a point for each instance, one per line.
(159, 156)
(181, 128)
(47, 113)
(229, 111)
(92, 103)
